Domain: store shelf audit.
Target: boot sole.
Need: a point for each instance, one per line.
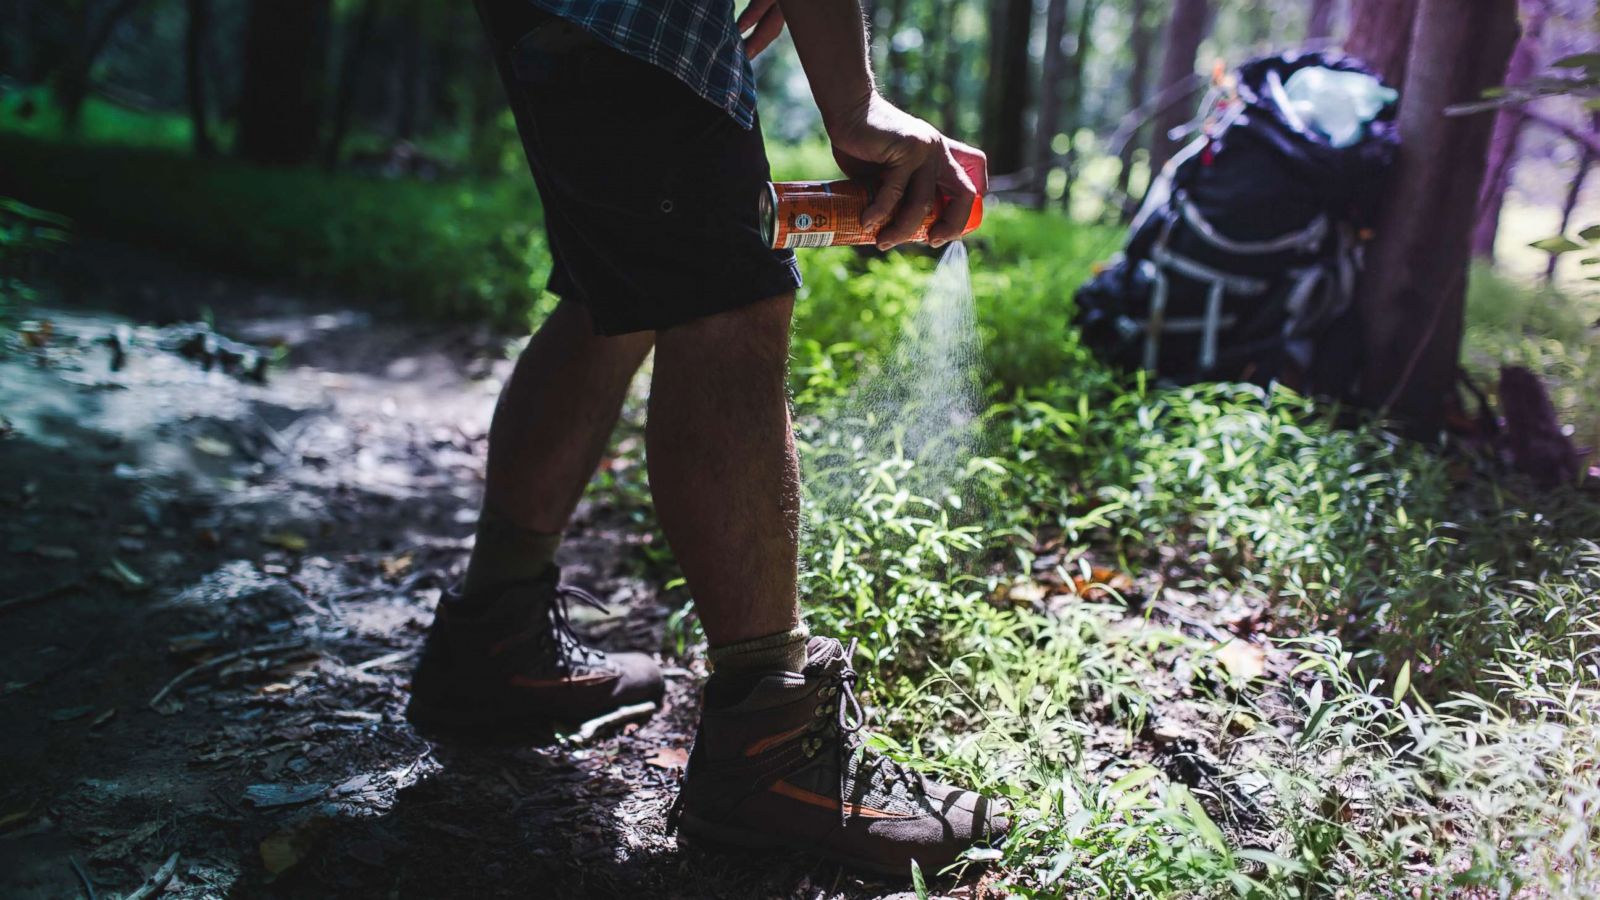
(698, 834)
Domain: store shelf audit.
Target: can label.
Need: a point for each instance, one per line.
(799, 214)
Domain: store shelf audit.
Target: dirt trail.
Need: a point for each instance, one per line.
(159, 517)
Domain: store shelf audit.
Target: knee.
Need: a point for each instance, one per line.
(758, 333)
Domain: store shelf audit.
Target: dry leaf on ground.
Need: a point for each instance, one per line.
(1242, 659)
(669, 758)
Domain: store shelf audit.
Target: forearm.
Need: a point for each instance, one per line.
(831, 40)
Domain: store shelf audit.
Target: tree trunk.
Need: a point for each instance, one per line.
(355, 54)
(1052, 70)
(1508, 124)
(1413, 291)
(895, 76)
(1006, 103)
(949, 73)
(1138, 74)
(1074, 76)
(280, 98)
(936, 47)
(1587, 158)
(1319, 25)
(1380, 35)
(1185, 30)
(194, 75)
(76, 75)
(408, 73)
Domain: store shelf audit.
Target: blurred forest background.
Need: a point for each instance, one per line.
(1072, 99)
(1210, 640)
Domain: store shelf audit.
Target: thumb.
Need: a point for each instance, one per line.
(891, 188)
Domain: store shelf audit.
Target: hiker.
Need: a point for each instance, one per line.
(640, 126)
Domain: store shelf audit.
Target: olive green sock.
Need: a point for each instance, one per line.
(505, 552)
(784, 651)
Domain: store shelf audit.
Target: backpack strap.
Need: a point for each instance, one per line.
(1307, 240)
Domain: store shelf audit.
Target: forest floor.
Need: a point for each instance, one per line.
(211, 595)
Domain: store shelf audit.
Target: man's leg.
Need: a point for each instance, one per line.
(777, 759)
(726, 481)
(502, 652)
(550, 428)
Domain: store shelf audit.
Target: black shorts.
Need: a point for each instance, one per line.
(650, 192)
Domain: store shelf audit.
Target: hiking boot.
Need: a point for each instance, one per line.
(514, 660)
(778, 763)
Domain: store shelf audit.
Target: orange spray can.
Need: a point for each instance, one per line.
(828, 214)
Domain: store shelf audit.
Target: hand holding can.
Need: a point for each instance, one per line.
(796, 214)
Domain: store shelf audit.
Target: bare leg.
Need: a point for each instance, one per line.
(556, 416)
(550, 427)
(723, 470)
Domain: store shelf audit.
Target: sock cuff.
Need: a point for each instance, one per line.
(780, 650)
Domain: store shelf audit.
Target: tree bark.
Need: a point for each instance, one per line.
(194, 74)
(75, 77)
(408, 73)
(1380, 35)
(1413, 291)
(936, 54)
(1052, 70)
(1074, 76)
(355, 53)
(1587, 158)
(1508, 124)
(1007, 94)
(895, 76)
(1138, 74)
(1185, 30)
(280, 98)
(1319, 24)
(948, 74)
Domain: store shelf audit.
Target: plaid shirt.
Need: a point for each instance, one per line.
(693, 39)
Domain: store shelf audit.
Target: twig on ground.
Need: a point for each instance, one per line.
(589, 729)
(384, 660)
(219, 661)
(1206, 628)
(88, 886)
(36, 596)
(157, 880)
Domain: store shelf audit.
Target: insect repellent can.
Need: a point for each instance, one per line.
(797, 214)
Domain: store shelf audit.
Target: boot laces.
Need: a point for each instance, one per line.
(570, 649)
(848, 721)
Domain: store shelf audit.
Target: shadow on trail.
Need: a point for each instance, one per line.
(272, 554)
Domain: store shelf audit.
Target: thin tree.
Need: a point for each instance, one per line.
(1508, 125)
(895, 74)
(280, 97)
(1413, 291)
(1185, 30)
(76, 75)
(1319, 23)
(1074, 75)
(350, 68)
(1587, 158)
(1052, 69)
(949, 72)
(1380, 35)
(194, 44)
(1138, 73)
(1006, 92)
(408, 73)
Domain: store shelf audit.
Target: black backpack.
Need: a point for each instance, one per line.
(1242, 261)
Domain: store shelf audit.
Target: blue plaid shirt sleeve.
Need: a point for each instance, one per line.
(695, 40)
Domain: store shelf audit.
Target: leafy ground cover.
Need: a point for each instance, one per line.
(1205, 641)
